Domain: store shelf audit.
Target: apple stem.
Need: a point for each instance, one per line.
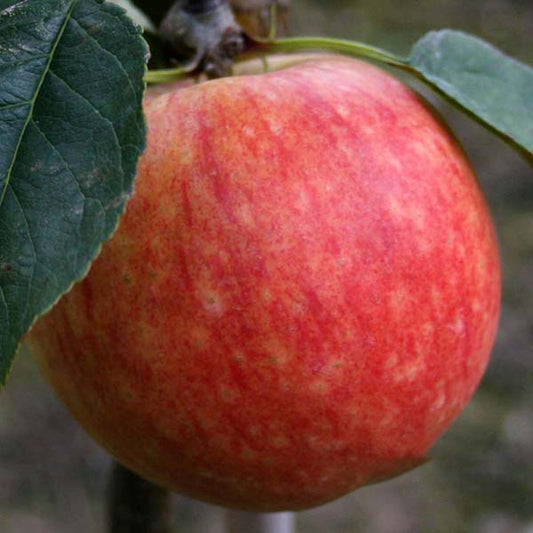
(340, 46)
(137, 505)
(287, 47)
(243, 522)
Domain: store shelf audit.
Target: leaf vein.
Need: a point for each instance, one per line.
(120, 66)
(7, 179)
(97, 112)
(73, 174)
(111, 54)
(14, 106)
(23, 61)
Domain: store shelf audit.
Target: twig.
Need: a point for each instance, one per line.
(137, 505)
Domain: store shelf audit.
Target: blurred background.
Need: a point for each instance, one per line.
(53, 477)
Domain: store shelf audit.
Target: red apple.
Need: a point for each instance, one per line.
(300, 299)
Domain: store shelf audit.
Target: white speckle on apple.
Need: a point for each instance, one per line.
(275, 127)
(343, 111)
(409, 370)
(245, 215)
(248, 131)
(267, 295)
(458, 326)
(439, 401)
(212, 303)
(239, 357)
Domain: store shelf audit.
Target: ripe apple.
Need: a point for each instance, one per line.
(300, 299)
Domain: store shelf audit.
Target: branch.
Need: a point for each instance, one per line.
(203, 35)
(137, 505)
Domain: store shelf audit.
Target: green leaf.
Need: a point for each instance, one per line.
(494, 88)
(72, 130)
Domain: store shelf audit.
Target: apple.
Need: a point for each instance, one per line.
(300, 299)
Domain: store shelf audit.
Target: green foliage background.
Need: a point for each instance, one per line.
(53, 478)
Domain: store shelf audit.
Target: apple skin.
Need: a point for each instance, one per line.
(300, 299)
